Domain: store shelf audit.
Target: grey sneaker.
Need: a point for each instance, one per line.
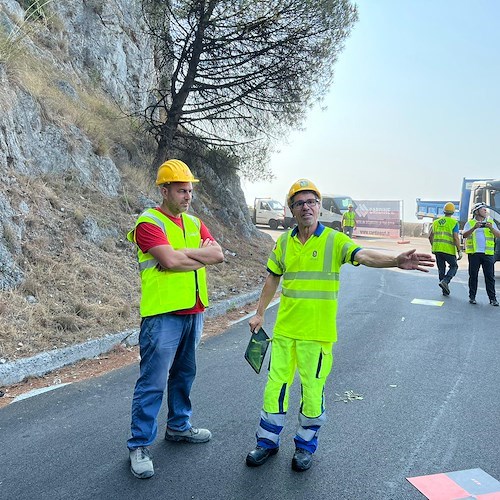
(141, 463)
(192, 435)
(444, 286)
(494, 302)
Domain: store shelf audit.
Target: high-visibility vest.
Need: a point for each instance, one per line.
(443, 240)
(167, 291)
(471, 243)
(310, 286)
(349, 219)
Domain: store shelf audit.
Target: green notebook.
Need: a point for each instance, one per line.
(256, 349)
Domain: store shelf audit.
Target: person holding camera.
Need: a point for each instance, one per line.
(480, 233)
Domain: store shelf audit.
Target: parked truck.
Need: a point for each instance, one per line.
(331, 210)
(473, 191)
(268, 212)
(434, 208)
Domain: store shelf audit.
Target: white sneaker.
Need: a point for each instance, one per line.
(141, 463)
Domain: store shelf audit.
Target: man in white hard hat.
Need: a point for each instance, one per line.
(480, 233)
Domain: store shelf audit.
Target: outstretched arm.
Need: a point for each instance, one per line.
(406, 260)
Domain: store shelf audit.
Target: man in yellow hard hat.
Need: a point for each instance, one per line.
(173, 249)
(349, 221)
(308, 258)
(445, 240)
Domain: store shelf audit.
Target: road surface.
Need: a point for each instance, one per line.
(428, 375)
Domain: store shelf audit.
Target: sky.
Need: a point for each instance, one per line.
(414, 107)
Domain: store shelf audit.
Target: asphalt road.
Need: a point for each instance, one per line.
(429, 378)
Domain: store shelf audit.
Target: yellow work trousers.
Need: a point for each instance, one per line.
(314, 361)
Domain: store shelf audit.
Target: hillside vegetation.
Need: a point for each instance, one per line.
(75, 176)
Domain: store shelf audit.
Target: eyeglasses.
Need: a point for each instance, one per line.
(310, 203)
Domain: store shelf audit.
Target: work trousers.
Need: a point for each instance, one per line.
(167, 346)
(348, 230)
(487, 262)
(314, 362)
(441, 260)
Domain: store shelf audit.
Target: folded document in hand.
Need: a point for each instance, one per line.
(256, 349)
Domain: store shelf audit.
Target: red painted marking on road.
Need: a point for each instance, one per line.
(470, 484)
(438, 487)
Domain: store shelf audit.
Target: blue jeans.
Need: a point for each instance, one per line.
(167, 345)
(441, 260)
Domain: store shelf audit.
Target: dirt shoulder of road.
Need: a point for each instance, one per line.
(118, 357)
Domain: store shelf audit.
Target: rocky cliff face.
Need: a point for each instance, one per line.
(57, 68)
(74, 167)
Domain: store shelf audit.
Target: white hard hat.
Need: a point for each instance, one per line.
(477, 206)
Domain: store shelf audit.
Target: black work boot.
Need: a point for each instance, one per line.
(259, 455)
(302, 460)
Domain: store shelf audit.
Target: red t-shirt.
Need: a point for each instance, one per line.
(148, 235)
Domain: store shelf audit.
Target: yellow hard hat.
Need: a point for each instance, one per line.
(301, 185)
(449, 208)
(174, 171)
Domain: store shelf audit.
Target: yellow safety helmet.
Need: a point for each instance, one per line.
(449, 208)
(301, 185)
(174, 171)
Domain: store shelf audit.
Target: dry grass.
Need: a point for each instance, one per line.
(73, 289)
(76, 290)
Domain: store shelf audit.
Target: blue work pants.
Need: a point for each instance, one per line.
(441, 260)
(167, 346)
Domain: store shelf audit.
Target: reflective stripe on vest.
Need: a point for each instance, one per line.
(310, 287)
(349, 218)
(471, 242)
(443, 240)
(166, 291)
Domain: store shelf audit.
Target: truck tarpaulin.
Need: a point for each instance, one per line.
(380, 218)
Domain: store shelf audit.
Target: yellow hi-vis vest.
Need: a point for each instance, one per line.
(310, 286)
(443, 241)
(471, 242)
(349, 219)
(167, 291)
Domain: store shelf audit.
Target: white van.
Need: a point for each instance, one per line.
(330, 213)
(268, 212)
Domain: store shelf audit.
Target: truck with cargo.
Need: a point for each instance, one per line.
(268, 212)
(473, 191)
(331, 210)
